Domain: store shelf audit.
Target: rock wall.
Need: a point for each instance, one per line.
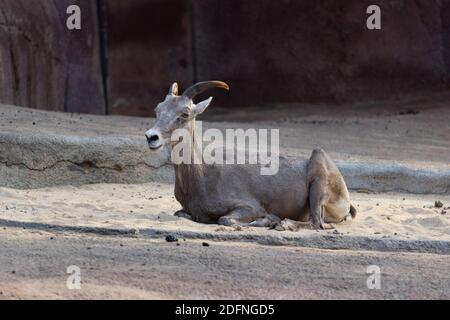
(321, 51)
(269, 51)
(149, 47)
(43, 65)
(277, 51)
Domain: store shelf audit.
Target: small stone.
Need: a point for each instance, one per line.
(443, 212)
(205, 244)
(438, 204)
(13, 272)
(409, 111)
(171, 238)
(336, 231)
(377, 232)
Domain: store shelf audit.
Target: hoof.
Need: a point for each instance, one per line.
(182, 214)
(321, 225)
(291, 225)
(270, 221)
(227, 221)
(327, 226)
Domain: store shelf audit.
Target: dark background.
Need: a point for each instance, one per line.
(270, 52)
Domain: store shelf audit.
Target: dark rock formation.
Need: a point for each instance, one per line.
(321, 51)
(43, 64)
(269, 51)
(149, 47)
(277, 51)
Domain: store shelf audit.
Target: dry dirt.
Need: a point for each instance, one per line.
(33, 261)
(33, 265)
(112, 206)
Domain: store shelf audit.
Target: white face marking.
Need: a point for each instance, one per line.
(154, 139)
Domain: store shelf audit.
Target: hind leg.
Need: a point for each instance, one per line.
(328, 195)
(318, 198)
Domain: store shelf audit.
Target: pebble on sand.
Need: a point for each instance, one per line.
(438, 204)
(171, 238)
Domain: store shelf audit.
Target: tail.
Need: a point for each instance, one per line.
(353, 211)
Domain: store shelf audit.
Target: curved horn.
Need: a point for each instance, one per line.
(201, 87)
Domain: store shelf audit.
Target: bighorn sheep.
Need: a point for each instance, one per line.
(313, 193)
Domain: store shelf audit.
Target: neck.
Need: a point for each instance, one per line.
(186, 174)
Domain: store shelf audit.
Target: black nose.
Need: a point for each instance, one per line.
(153, 138)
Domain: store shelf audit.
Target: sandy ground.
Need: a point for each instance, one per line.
(402, 216)
(33, 260)
(33, 265)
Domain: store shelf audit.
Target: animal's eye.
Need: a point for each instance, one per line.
(185, 115)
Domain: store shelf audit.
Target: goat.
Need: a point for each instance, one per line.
(312, 193)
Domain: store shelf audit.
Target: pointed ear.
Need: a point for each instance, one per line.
(200, 107)
(174, 89)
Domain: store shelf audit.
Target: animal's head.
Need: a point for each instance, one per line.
(178, 111)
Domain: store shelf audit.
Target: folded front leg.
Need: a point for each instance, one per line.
(183, 214)
(242, 216)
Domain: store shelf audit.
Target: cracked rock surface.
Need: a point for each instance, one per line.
(377, 148)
